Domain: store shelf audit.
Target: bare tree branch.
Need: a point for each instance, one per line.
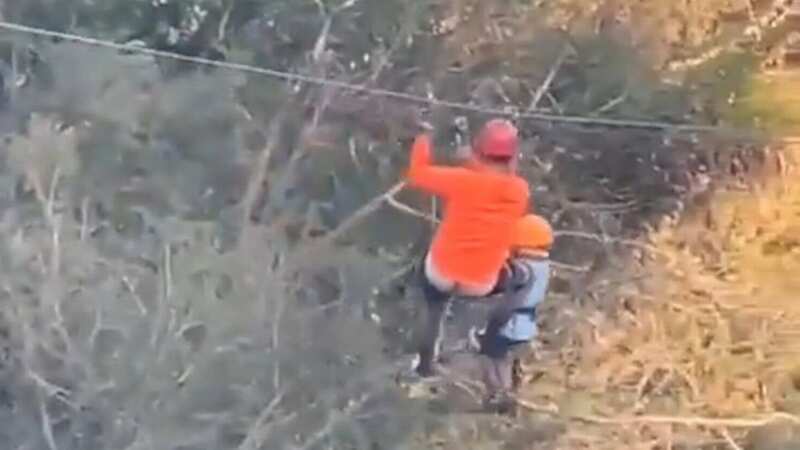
(47, 429)
(545, 86)
(261, 427)
(335, 417)
(255, 188)
(729, 439)
(223, 23)
(690, 421)
(356, 218)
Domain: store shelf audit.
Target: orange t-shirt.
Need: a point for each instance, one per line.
(481, 209)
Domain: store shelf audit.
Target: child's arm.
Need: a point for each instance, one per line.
(517, 288)
(504, 280)
(442, 181)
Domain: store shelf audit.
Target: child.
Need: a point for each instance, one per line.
(512, 322)
(483, 199)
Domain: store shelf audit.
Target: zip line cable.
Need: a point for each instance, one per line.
(288, 76)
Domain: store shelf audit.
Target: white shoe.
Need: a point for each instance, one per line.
(474, 339)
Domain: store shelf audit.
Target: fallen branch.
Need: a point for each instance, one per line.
(554, 103)
(335, 418)
(255, 185)
(729, 439)
(128, 285)
(50, 389)
(223, 23)
(276, 339)
(369, 208)
(474, 389)
(605, 239)
(696, 421)
(261, 427)
(569, 267)
(400, 206)
(611, 103)
(393, 277)
(47, 427)
(549, 408)
(608, 207)
(689, 421)
(355, 219)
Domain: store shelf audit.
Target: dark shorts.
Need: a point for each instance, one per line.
(434, 295)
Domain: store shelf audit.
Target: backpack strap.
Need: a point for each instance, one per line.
(526, 310)
(523, 278)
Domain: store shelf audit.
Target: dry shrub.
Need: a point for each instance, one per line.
(704, 325)
(143, 308)
(196, 348)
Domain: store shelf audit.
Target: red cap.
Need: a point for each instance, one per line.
(497, 139)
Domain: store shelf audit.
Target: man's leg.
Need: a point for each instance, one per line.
(436, 303)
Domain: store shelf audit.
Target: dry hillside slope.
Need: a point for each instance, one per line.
(695, 345)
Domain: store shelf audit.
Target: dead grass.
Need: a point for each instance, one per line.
(701, 350)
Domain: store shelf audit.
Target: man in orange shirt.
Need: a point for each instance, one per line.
(483, 200)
